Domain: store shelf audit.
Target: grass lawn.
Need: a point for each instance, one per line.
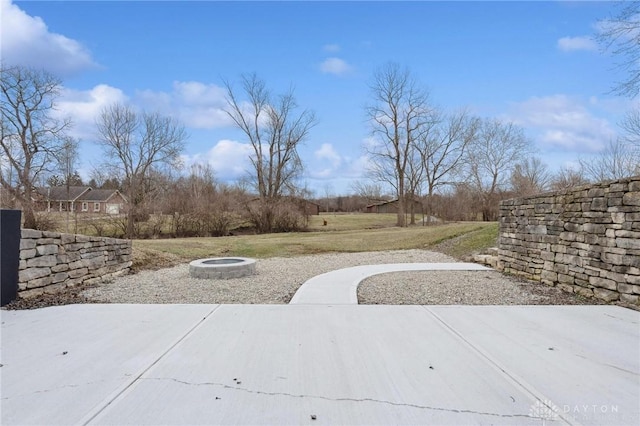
(353, 221)
(343, 233)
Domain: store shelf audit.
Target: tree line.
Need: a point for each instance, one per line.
(142, 150)
(418, 151)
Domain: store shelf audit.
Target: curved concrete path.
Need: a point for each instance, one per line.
(341, 286)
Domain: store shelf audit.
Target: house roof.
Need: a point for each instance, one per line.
(76, 193)
(59, 193)
(99, 195)
(381, 203)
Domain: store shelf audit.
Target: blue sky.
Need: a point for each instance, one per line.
(533, 63)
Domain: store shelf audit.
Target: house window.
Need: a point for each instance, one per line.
(96, 207)
(85, 206)
(112, 208)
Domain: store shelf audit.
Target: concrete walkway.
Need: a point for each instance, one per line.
(341, 286)
(320, 364)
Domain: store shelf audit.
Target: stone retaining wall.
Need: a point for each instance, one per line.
(51, 261)
(585, 240)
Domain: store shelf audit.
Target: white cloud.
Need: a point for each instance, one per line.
(229, 159)
(563, 122)
(195, 104)
(358, 167)
(568, 44)
(196, 93)
(335, 66)
(350, 168)
(327, 152)
(323, 174)
(27, 41)
(83, 106)
(333, 48)
(339, 167)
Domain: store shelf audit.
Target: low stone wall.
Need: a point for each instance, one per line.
(51, 261)
(585, 240)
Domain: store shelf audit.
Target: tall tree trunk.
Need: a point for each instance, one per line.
(401, 220)
(29, 217)
(412, 209)
(428, 211)
(30, 221)
(132, 210)
(68, 191)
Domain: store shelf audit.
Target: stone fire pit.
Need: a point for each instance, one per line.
(222, 267)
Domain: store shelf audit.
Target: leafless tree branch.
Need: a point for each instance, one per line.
(275, 130)
(30, 135)
(137, 145)
(620, 34)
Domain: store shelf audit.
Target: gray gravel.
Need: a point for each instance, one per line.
(277, 279)
(460, 288)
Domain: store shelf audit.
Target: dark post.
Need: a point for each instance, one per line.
(9, 254)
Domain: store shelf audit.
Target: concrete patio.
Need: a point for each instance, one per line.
(320, 364)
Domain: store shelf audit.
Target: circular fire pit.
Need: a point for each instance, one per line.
(222, 267)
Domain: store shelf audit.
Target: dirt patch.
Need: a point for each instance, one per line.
(149, 259)
(68, 296)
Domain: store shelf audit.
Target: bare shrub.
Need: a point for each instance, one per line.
(260, 214)
(98, 226)
(118, 226)
(282, 215)
(44, 222)
(220, 222)
(157, 223)
(289, 219)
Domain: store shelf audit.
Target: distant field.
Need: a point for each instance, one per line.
(343, 233)
(353, 221)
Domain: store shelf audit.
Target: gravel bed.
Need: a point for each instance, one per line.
(461, 288)
(276, 281)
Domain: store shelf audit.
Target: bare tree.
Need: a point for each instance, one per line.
(631, 131)
(103, 178)
(136, 144)
(275, 130)
(620, 34)
(443, 150)
(399, 114)
(66, 159)
(567, 178)
(328, 195)
(201, 181)
(414, 178)
(370, 191)
(530, 176)
(30, 133)
(492, 156)
(66, 162)
(198, 205)
(616, 161)
(621, 157)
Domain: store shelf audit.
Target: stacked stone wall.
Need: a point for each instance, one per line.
(585, 240)
(52, 261)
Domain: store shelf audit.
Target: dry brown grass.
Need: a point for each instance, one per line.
(302, 243)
